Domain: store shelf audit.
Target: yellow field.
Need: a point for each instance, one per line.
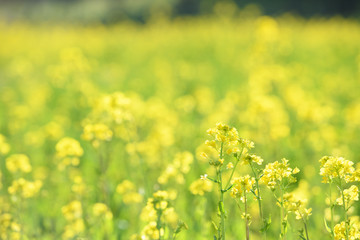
(96, 119)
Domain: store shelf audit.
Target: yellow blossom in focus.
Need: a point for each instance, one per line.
(351, 194)
(276, 172)
(340, 231)
(333, 167)
(241, 186)
(253, 158)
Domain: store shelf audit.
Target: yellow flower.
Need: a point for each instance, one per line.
(4, 146)
(72, 211)
(150, 232)
(223, 133)
(253, 158)
(275, 172)
(303, 213)
(350, 194)
(230, 165)
(128, 191)
(175, 170)
(333, 167)
(340, 231)
(125, 186)
(69, 151)
(74, 228)
(200, 186)
(17, 162)
(25, 188)
(101, 210)
(241, 186)
(67, 147)
(96, 133)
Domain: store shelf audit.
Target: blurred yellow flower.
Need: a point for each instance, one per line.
(18, 162)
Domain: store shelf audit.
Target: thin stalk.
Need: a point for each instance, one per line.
(282, 212)
(221, 203)
(232, 173)
(306, 230)
(158, 222)
(258, 197)
(331, 211)
(102, 176)
(246, 219)
(344, 208)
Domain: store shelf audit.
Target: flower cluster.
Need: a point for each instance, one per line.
(128, 192)
(275, 173)
(200, 186)
(18, 162)
(223, 133)
(68, 150)
(75, 223)
(249, 158)
(338, 167)
(100, 210)
(114, 107)
(177, 169)
(340, 171)
(349, 195)
(24, 188)
(241, 186)
(158, 212)
(96, 133)
(9, 228)
(297, 206)
(341, 232)
(4, 146)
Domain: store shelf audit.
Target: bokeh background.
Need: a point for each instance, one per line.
(112, 11)
(286, 74)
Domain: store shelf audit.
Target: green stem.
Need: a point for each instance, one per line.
(345, 215)
(221, 203)
(246, 220)
(258, 197)
(282, 212)
(306, 230)
(158, 222)
(331, 211)
(232, 173)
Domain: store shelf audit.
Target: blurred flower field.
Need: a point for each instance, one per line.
(103, 129)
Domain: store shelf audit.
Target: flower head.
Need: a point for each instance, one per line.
(242, 185)
(276, 172)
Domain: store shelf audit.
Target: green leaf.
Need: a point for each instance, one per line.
(215, 226)
(267, 223)
(327, 227)
(301, 234)
(211, 179)
(180, 226)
